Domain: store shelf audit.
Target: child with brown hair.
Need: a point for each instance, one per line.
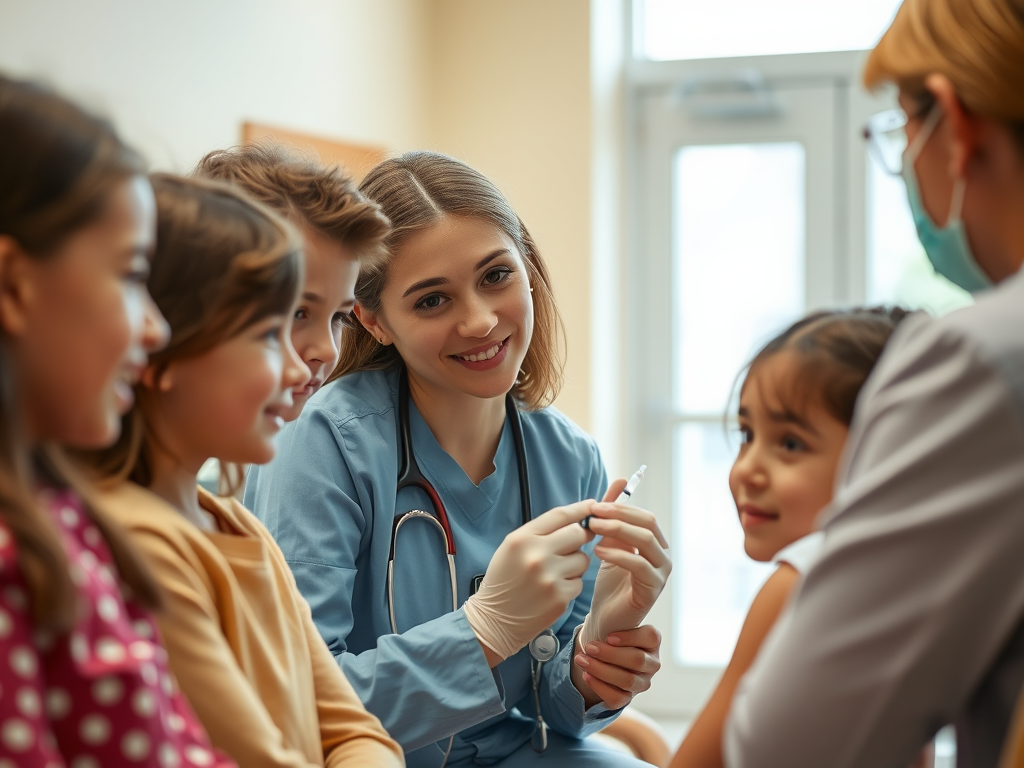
(226, 274)
(795, 409)
(340, 229)
(84, 680)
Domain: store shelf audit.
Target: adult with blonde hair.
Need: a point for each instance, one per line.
(913, 617)
(447, 620)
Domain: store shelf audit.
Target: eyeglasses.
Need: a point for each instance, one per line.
(886, 135)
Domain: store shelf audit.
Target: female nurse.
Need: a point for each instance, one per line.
(913, 617)
(517, 646)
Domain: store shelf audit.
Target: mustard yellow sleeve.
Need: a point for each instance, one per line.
(351, 735)
(203, 662)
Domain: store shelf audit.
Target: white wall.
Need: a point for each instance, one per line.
(180, 76)
(502, 84)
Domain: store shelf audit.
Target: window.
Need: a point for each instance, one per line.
(706, 29)
(739, 223)
(753, 201)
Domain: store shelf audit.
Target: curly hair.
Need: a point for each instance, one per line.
(304, 190)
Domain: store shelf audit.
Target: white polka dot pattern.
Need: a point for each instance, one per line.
(135, 745)
(110, 651)
(114, 702)
(144, 703)
(199, 756)
(107, 690)
(58, 703)
(92, 536)
(106, 607)
(28, 702)
(23, 661)
(16, 735)
(79, 648)
(168, 756)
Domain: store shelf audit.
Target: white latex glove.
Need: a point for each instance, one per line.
(634, 567)
(535, 574)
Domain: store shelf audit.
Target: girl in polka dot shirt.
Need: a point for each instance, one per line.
(84, 681)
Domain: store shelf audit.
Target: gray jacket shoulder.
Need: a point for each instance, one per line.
(989, 334)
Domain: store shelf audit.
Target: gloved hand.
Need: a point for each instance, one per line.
(531, 579)
(634, 567)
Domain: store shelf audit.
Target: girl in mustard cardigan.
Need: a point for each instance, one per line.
(226, 275)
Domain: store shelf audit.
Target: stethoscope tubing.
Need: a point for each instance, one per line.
(410, 476)
(450, 555)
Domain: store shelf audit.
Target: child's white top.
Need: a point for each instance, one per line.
(802, 553)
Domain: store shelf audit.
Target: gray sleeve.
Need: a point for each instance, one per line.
(921, 578)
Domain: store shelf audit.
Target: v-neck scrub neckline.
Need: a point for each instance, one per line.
(450, 479)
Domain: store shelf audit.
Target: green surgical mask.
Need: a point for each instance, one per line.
(947, 247)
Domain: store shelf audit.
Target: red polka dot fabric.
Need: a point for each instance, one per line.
(101, 696)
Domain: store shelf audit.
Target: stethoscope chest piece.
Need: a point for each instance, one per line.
(545, 646)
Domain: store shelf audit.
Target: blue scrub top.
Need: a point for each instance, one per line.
(329, 499)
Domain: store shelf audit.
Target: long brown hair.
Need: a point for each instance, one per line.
(305, 191)
(60, 165)
(977, 44)
(415, 191)
(223, 263)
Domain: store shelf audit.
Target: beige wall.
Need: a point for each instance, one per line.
(502, 84)
(509, 94)
(180, 76)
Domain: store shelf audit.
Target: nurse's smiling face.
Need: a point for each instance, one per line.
(457, 307)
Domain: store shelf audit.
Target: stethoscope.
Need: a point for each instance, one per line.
(545, 646)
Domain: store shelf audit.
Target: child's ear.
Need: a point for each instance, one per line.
(158, 381)
(16, 289)
(371, 322)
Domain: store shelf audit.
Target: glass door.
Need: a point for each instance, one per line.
(738, 228)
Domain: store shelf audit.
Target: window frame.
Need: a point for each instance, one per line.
(647, 413)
